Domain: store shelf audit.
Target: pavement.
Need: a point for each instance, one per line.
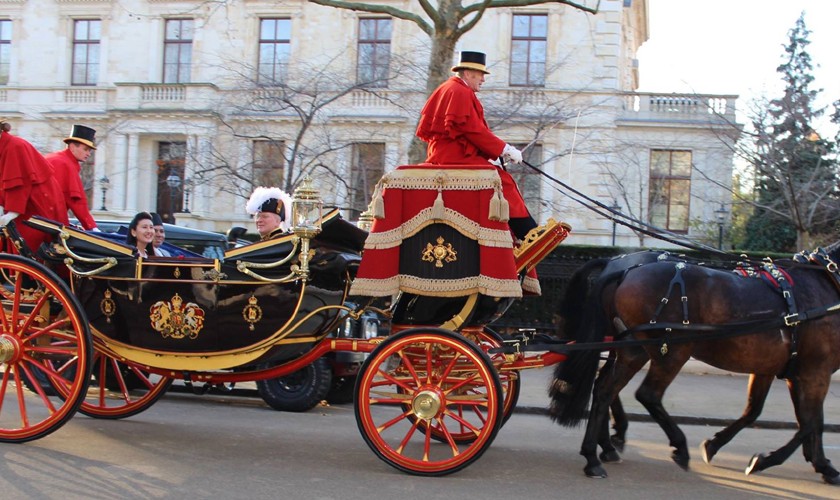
(700, 394)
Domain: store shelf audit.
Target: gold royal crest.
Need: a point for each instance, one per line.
(176, 320)
(439, 253)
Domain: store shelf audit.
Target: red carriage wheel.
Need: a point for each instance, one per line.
(45, 341)
(511, 385)
(418, 391)
(511, 381)
(121, 389)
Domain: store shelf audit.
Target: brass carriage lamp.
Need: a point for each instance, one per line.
(307, 210)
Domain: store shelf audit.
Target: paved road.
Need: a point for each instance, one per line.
(211, 447)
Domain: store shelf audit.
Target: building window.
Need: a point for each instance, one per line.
(367, 168)
(374, 55)
(86, 35)
(5, 50)
(527, 49)
(670, 189)
(269, 163)
(275, 45)
(177, 50)
(526, 178)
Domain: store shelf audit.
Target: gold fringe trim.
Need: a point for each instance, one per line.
(436, 288)
(446, 179)
(485, 236)
(531, 285)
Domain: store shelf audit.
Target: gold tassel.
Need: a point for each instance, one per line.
(494, 207)
(378, 204)
(438, 210)
(504, 209)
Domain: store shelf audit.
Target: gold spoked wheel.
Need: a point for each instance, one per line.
(45, 351)
(419, 392)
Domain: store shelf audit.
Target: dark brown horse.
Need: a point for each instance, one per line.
(713, 301)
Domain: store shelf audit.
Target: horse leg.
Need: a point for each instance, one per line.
(620, 424)
(661, 373)
(611, 380)
(757, 390)
(812, 389)
(808, 404)
(608, 450)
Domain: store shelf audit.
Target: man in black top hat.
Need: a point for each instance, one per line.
(452, 123)
(160, 235)
(272, 211)
(66, 165)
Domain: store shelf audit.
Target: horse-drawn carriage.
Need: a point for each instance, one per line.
(111, 336)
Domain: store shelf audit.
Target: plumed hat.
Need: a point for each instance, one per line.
(271, 199)
(83, 135)
(472, 60)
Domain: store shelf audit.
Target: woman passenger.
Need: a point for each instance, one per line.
(141, 234)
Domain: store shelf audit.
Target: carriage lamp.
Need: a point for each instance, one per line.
(365, 221)
(104, 182)
(307, 209)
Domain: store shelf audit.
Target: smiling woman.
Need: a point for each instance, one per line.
(141, 234)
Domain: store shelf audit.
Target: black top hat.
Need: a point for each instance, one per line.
(472, 60)
(83, 135)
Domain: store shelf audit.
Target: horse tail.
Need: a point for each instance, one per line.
(571, 389)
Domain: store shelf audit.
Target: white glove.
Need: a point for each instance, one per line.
(512, 154)
(7, 218)
(96, 230)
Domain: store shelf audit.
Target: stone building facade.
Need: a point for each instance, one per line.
(197, 102)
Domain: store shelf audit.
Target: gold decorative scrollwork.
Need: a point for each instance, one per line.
(177, 272)
(439, 253)
(108, 306)
(252, 313)
(175, 319)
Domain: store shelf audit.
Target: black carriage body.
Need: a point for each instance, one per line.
(171, 306)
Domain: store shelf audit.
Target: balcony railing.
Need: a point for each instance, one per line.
(695, 107)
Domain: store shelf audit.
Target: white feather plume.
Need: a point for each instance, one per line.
(262, 195)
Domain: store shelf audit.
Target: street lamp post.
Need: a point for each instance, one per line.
(174, 183)
(615, 208)
(104, 182)
(721, 213)
(187, 188)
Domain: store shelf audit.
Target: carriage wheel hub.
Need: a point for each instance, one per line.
(8, 349)
(426, 404)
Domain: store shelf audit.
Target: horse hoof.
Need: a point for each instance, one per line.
(833, 480)
(707, 451)
(610, 457)
(681, 460)
(755, 463)
(595, 472)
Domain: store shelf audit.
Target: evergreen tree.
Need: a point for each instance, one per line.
(795, 169)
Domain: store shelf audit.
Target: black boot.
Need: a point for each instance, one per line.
(521, 225)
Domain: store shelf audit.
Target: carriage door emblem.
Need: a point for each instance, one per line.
(439, 253)
(107, 306)
(252, 313)
(176, 320)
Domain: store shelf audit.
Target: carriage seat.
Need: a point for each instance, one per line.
(336, 234)
(85, 243)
